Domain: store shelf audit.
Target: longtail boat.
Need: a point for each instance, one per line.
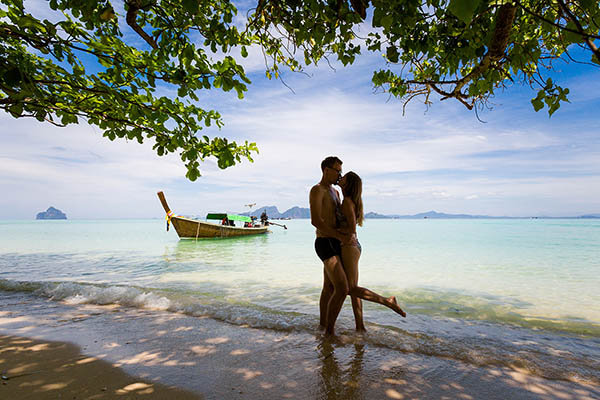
(188, 228)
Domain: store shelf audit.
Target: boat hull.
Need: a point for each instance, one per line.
(193, 229)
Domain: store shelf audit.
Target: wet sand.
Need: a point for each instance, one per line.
(92, 351)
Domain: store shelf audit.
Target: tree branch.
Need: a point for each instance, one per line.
(133, 6)
(504, 21)
(574, 19)
(559, 26)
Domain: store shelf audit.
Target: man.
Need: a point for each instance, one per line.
(324, 205)
(264, 218)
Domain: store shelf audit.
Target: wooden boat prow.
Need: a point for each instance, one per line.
(188, 228)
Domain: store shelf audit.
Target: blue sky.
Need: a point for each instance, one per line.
(517, 163)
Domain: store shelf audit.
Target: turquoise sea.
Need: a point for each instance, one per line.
(516, 292)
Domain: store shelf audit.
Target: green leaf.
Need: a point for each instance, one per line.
(107, 14)
(386, 21)
(537, 104)
(588, 5)
(572, 37)
(463, 9)
(377, 16)
(16, 110)
(12, 77)
(191, 6)
(193, 174)
(392, 54)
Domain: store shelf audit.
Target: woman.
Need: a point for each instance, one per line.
(352, 214)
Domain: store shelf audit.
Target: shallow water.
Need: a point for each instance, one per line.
(508, 292)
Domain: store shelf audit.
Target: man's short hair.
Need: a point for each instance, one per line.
(330, 162)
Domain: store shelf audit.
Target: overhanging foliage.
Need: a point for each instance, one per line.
(137, 73)
(88, 63)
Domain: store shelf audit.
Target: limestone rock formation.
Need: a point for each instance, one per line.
(51, 213)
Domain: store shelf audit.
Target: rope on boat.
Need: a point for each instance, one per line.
(168, 218)
(197, 231)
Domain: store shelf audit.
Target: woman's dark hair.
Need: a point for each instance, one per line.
(353, 190)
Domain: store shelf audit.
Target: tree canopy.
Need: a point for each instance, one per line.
(113, 70)
(135, 68)
(460, 49)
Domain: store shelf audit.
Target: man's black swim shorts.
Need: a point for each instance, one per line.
(327, 247)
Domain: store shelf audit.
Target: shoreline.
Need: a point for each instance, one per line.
(214, 360)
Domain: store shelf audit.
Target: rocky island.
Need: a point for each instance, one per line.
(51, 213)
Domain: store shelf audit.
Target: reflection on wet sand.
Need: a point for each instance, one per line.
(218, 360)
(340, 383)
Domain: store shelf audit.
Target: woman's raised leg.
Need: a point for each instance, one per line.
(350, 256)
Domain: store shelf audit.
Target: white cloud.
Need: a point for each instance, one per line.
(76, 168)
(444, 160)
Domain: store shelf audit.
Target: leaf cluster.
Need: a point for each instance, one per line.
(136, 76)
(137, 72)
(462, 49)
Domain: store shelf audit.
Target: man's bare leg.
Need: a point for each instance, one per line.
(326, 294)
(337, 276)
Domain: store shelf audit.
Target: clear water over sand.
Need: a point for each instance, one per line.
(503, 292)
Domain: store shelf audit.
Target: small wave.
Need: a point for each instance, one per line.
(494, 309)
(534, 357)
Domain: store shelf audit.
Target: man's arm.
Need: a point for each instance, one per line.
(316, 214)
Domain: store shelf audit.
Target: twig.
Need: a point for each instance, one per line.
(586, 37)
(564, 28)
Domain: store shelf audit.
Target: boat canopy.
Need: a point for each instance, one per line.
(231, 217)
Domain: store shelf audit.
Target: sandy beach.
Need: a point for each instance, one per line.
(57, 350)
(36, 369)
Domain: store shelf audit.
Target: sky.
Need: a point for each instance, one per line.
(517, 163)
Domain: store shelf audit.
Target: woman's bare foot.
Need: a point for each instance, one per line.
(394, 305)
(361, 329)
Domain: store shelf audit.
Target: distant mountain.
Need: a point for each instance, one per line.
(51, 213)
(590, 216)
(272, 212)
(428, 214)
(374, 215)
(437, 215)
(296, 213)
(433, 214)
(303, 213)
